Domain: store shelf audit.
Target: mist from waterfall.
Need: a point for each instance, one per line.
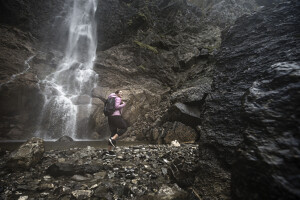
(67, 91)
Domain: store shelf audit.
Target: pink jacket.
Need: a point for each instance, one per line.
(118, 104)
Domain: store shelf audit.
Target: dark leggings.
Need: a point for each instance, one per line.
(115, 123)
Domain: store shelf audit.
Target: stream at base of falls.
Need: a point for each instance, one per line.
(11, 145)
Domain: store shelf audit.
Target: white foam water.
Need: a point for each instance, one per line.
(67, 90)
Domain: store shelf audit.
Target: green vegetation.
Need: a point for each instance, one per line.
(142, 67)
(138, 16)
(130, 22)
(146, 46)
(142, 15)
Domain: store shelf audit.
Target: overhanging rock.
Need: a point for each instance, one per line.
(192, 111)
(193, 94)
(187, 114)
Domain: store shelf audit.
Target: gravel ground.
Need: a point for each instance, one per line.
(129, 172)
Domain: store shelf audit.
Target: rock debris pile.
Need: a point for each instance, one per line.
(134, 172)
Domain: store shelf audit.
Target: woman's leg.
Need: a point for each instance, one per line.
(113, 130)
(122, 126)
(115, 123)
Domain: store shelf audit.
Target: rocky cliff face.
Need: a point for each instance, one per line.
(147, 47)
(250, 123)
(18, 90)
(173, 43)
(43, 19)
(24, 31)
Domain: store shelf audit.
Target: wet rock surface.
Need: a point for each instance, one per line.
(65, 138)
(27, 155)
(132, 172)
(36, 17)
(249, 104)
(154, 49)
(271, 144)
(19, 93)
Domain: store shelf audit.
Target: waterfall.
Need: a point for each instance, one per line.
(67, 91)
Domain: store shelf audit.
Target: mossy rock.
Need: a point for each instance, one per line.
(146, 46)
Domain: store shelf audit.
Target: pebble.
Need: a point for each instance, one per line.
(164, 171)
(100, 175)
(79, 178)
(23, 198)
(82, 194)
(61, 160)
(47, 177)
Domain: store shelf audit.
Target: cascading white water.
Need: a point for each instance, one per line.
(67, 90)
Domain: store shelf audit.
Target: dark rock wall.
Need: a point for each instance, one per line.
(252, 106)
(132, 17)
(19, 94)
(224, 12)
(43, 19)
(27, 28)
(150, 46)
(267, 165)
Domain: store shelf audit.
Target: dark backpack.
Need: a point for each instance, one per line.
(109, 106)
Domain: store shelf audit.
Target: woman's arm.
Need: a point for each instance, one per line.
(118, 104)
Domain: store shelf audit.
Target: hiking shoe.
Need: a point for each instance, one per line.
(112, 142)
(105, 153)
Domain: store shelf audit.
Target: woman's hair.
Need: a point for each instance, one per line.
(117, 92)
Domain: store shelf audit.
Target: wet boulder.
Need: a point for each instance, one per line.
(192, 94)
(65, 138)
(70, 169)
(188, 103)
(27, 155)
(101, 191)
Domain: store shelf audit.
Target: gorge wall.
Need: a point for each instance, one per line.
(250, 125)
(226, 79)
